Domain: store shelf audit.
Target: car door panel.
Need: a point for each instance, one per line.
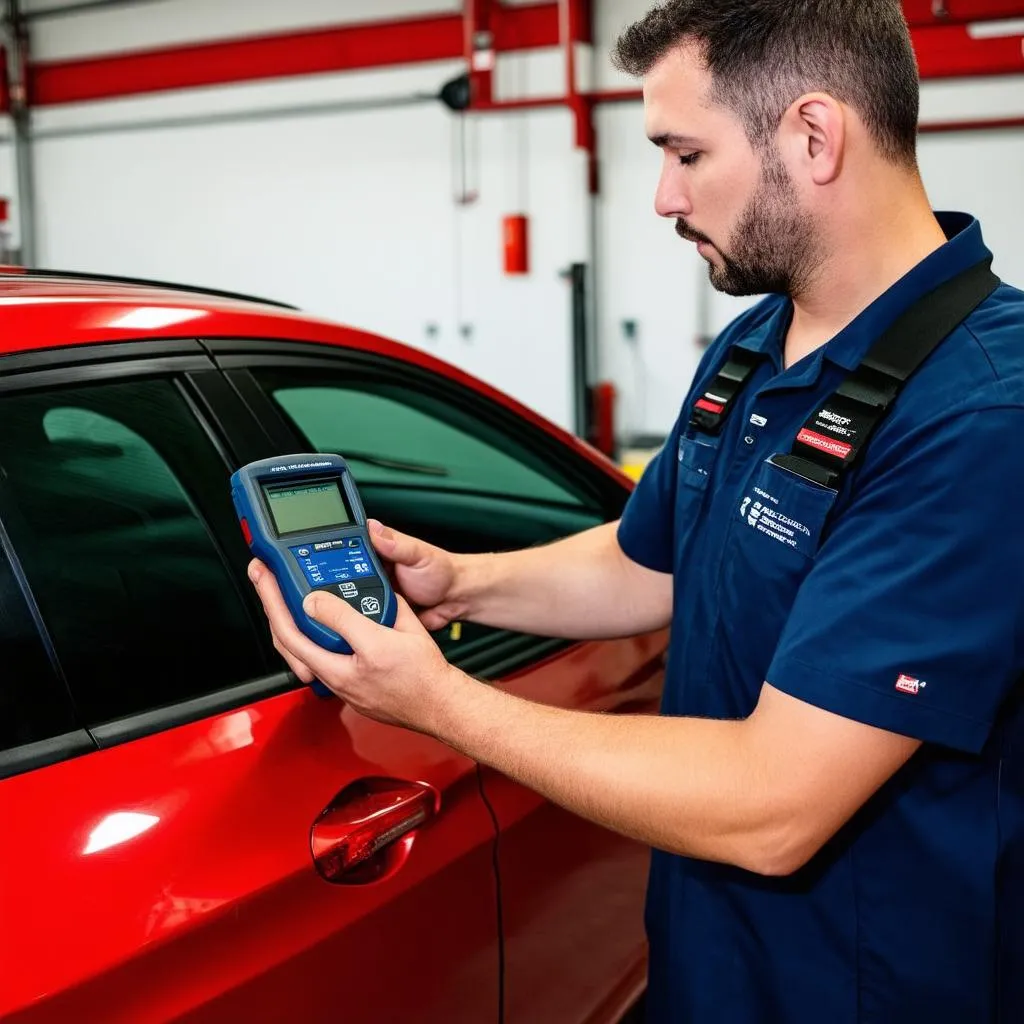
(572, 892)
(213, 910)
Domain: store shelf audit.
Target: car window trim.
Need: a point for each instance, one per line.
(156, 720)
(500, 656)
(43, 753)
(52, 367)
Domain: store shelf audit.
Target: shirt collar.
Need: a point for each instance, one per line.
(964, 248)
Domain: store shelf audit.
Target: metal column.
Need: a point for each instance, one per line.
(15, 41)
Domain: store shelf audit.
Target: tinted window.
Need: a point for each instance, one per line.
(33, 702)
(397, 435)
(115, 492)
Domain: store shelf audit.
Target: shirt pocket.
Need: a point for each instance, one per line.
(696, 458)
(696, 462)
(773, 537)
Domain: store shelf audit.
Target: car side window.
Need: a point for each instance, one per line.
(117, 497)
(404, 437)
(34, 704)
(429, 463)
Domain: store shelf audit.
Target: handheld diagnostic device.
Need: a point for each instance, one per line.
(302, 516)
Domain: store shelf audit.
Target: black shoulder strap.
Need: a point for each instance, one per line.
(711, 409)
(831, 440)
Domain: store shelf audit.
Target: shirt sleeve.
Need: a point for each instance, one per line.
(646, 530)
(911, 616)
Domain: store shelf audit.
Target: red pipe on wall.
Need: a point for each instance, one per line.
(345, 48)
(480, 51)
(573, 16)
(944, 48)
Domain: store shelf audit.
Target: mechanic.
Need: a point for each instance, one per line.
(835, 789)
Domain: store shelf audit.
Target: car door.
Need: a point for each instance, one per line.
(450, 465)
(185, 827)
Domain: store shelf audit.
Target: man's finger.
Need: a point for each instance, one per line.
(397, 547)
(301, 671)
(291, 640)
(356, 629)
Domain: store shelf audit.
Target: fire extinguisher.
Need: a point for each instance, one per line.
(516, 233)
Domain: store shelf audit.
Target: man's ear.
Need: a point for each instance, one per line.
(813, 133)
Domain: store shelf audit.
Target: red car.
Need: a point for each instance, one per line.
(188, 833)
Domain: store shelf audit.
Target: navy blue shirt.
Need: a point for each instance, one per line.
(897, 602)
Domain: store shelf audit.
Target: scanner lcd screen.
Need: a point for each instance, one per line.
(307, 505)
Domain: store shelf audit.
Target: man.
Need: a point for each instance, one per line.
(835, 790)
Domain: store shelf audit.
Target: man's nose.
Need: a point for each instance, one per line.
(672, 198)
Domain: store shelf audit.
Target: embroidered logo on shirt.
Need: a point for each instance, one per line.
(908, 684)
(766, 517)
(758, 421)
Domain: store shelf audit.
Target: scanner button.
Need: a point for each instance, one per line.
(369, 601)
(246, 532)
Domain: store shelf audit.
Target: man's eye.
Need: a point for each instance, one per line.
(689, 160)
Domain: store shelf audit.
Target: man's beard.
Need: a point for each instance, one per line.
(772, 248)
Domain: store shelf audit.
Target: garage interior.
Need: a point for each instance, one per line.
(509, 229)
(468, 178)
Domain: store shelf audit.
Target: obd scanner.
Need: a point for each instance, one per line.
(302, 516)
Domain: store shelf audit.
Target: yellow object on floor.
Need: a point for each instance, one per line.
(633, 461)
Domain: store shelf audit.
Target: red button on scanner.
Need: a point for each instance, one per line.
(246, 532)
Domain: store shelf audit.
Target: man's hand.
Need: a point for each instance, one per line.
(422, 573)
(397, 675)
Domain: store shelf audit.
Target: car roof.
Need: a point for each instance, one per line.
(45, 309)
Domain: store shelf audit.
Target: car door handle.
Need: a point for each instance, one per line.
(365, 832)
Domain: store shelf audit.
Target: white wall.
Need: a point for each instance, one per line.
(352, 215)
(649, 276)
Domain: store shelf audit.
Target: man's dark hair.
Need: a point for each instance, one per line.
(764, 54)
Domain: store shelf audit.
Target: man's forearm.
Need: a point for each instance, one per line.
(689, 786)
(582, 587)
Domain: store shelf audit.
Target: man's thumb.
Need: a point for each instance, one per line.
(354, 628)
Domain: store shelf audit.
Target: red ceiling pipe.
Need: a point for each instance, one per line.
(959, 12)
(945, 49)
(342, 48)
